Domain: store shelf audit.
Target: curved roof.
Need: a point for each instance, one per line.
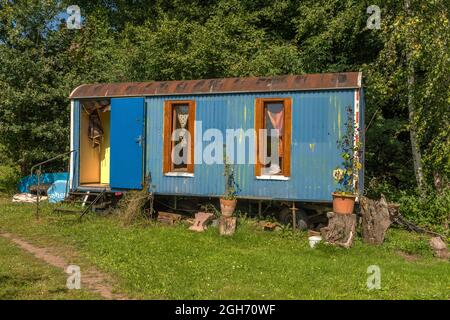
(323, 81)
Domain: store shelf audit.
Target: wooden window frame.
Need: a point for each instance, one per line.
(167, 138)
(287, 134)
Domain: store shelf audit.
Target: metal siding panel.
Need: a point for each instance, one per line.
(315, 129)
(71, 159)
(127, 123)
(363, 139)
(76, 144)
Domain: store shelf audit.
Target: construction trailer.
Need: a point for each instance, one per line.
(122, 133)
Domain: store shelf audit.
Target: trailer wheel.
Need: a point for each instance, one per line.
(301, 218)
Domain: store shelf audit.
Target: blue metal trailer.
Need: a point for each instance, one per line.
(132, 135)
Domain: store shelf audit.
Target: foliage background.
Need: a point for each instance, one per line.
(41, 62)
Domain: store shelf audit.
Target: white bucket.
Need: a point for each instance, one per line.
(314, 240)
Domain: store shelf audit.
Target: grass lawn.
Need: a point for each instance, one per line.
(161, 262)
(24, 277)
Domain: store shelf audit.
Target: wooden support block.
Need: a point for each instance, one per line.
(201, 220)
(168, 217)
(312, 233)
(270, 226)
(341, 229)
(227, 225)
(42, 187)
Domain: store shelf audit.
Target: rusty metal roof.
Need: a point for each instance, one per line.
(323, 81)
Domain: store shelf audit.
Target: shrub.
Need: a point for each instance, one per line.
(9, 178)
(431, 211)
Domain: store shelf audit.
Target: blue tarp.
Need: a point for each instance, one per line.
(46, 178)
(57, 191)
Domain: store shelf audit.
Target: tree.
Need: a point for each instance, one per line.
(33, 111)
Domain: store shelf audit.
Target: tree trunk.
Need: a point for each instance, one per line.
(375, 221)
(415, 149)
(341, 229)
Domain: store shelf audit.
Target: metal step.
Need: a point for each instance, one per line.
(69, 211)
(89, 193)
(102, 205)
(88, 208)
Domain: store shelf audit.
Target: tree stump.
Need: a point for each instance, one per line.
(340, 230)
(376, 219)
(227, 226)
(201, 219)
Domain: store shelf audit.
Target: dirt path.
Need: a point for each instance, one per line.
(92, 279)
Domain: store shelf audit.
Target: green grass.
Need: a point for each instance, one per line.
(161, 262)
(24, 277)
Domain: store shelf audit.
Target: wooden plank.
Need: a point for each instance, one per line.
(191, 128)
(287, 137)
(167, 136)
(168, 217)
(259, 119)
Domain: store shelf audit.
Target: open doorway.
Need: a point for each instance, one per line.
(95, 124)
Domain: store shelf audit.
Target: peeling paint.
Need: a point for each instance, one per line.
(339, 123)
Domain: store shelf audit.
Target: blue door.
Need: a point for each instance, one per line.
(127, 142)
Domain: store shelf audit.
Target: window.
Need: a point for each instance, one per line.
(273, 136)
(179, 118)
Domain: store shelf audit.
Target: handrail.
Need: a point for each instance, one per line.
(39, 176)
(50, 160)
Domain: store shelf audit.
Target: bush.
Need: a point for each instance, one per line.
(9, 178)
(431, 211)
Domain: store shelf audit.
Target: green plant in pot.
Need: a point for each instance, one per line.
(228, 200)
(346, 175)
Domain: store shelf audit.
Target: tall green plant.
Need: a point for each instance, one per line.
(346, 175)
(230, 183)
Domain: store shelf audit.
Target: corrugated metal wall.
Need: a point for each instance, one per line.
(318, 119)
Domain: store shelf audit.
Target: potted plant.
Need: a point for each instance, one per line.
(228, 200)
(346, 176)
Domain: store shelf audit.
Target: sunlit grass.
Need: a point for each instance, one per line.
(160, 262)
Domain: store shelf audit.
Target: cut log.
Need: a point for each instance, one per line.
(340, 230)
(376, 219)
(201, 220)
(227, 226)
(168, 217)
(270, 226)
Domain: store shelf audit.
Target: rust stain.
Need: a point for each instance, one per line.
(339, 124)
(252, 84)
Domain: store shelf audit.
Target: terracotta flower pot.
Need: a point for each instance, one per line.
(227, 207)
(343, 204)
